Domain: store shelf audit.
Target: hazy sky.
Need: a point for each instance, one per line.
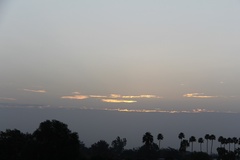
(184, 54)
(134, 56)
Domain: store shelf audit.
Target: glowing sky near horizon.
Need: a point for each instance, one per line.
(133, 55)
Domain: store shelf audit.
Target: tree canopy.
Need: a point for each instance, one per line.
(54, 140)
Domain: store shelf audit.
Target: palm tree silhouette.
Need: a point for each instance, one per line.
(200, 141)
(224, 142)
(235, 141)
(229, 141)
(220, 140)
(181, 136)
(207, 138)
(184, 145)
(191, 140)
(212, 138)
(147, 138)
(160, 137)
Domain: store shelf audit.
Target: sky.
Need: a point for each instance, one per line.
(122, 56)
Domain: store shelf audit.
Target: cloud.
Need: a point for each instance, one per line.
(141, 96)
(112, 98)
(118, 101)
(7, 99)
(115, 96)
(131, 110)
(97, 96)
(158, 110)
(133, 96)
(197, 95)
(77, 97)
(201, 110)
(29, 106)
(76, 93)
(35, 91)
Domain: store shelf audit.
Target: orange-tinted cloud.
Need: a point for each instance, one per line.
(197, 95)
(115, 96)
(76, 93)
(35, 91)
(141, 96)
(118, 101)
(77, 97)
(133, 96)
(97, 96)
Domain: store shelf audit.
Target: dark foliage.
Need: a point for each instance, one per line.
(198, 156)
(226, 155)
(53, 140)
(13, 144)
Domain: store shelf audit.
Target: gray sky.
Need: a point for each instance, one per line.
(132, 56)
(183, 53)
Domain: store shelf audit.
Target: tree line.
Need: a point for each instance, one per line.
(53, 140)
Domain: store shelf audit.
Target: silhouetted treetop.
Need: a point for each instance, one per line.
(181, 136)
(100, 147)
(55, 141)
(118, 144)
(12, 144)
(147, 138)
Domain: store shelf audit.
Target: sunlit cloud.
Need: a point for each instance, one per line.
(35, 91)
(77, 97)
(201, 110)
(197, 95)
(7, 99)
(76, 93)
(158, 110)
(141, 96)
(97, 96)
(118, 101)
(133, 96)
(131, 110)
(112, 98)
(115, 96)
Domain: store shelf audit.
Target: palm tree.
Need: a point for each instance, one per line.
(147, 138)
(200, 141)
(235, 141)
(212, 138)
(220, 140)
(224, 142)
(191, 140)
(207, 138)
(184, 145)
(181, 136)
(229, 141)
(160, 137)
